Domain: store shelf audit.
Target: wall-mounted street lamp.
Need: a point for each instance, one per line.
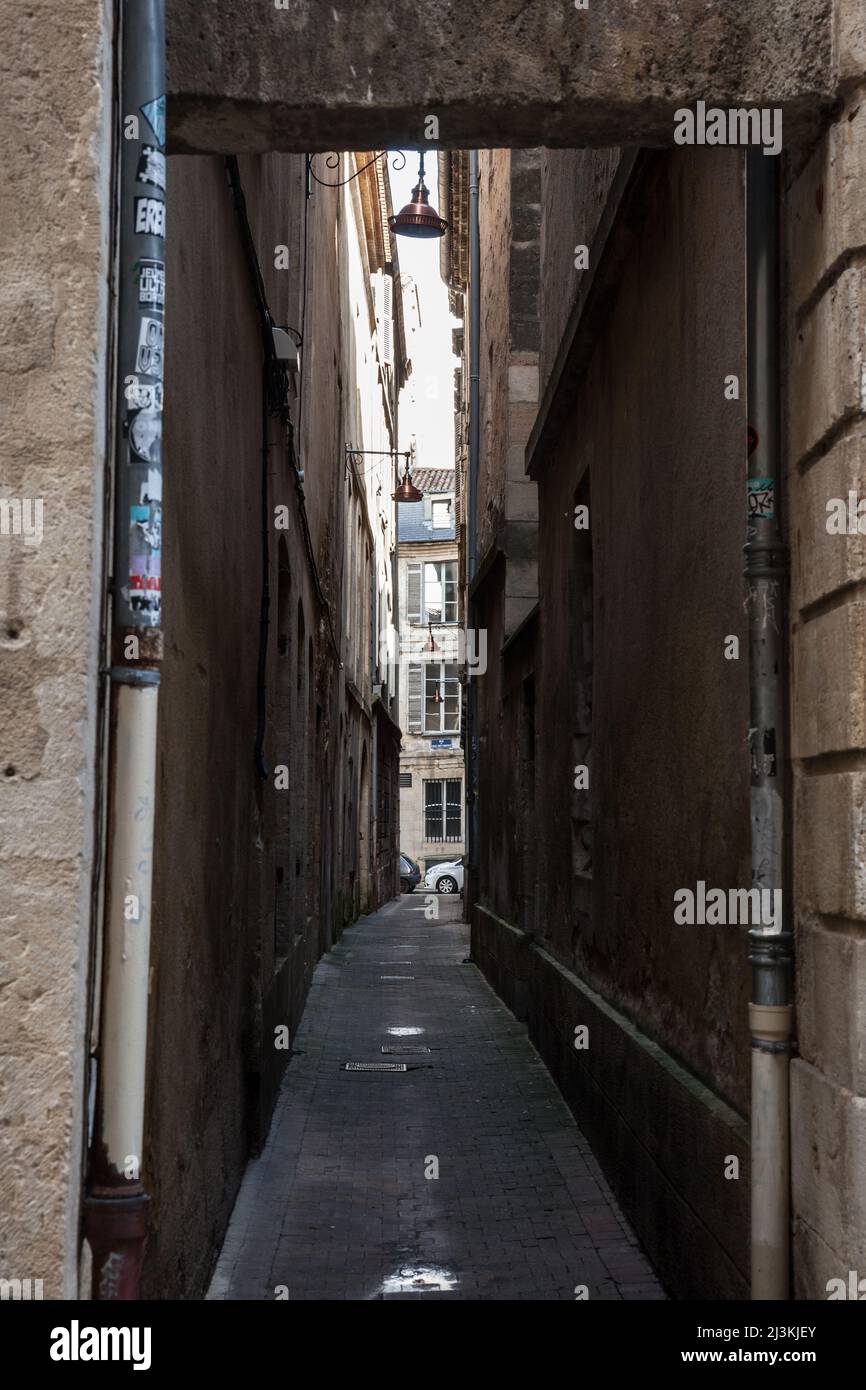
(406, 489)
(332, 161)
(417, 219)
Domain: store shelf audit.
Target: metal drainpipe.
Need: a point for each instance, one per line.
(471, 543)
(115, 1201)
(766, 573)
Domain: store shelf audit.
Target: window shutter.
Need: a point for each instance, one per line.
(383, 303)
(413, 598)
(387, 320)
(413, 698)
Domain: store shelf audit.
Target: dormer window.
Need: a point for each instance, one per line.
(441, 513)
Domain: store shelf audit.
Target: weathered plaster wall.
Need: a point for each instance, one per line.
(650, 426)
(494, 210)
(54, 232)
(669, 783)
(574, 186)
(233, 851)
(825, 220)
(323, 76)
(509, 234)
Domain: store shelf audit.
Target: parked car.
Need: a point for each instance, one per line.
(445, 878)
(410, 874)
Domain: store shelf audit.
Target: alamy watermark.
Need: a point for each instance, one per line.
(22, 516)
(847, 518)
(734, 907)
(745, 125)
(21, 1289)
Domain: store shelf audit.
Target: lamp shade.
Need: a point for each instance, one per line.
(417, 218)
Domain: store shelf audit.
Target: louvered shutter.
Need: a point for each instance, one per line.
(413, 593)
(387, 320)
(383, 302)
(413, 699)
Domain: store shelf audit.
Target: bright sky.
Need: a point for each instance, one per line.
(426, 408)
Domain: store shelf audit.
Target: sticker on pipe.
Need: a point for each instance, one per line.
(151, 167)
(145, 435)
(146, 536)
(151, 284)
(144, 595)
(150, 217)
(144, 395)
(761, 497)
(148, 360)
(154, 113)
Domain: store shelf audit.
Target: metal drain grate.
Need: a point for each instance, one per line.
(404, 1051)
(374, 1066)
(396, 977)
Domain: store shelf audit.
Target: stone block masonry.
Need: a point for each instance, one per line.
(320, 76)
(825, 224)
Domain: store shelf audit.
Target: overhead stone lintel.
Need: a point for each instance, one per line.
(338, 74)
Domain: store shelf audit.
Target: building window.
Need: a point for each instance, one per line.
(440, 511)
(405, 779)
(432, 591)
(441, 716)
(426, 714)
(443, 811)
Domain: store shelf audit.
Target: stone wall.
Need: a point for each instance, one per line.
(254, 879)
(825, 224)
(54, 234)
(649, 442)
(318, 76)
(507, 503)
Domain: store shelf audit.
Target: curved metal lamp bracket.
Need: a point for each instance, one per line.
(332, 161)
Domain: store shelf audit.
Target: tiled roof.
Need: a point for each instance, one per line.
(434, 479)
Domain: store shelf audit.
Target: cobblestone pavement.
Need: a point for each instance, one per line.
(339, 1206)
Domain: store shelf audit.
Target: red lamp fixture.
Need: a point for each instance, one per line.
(417, 219)
(406, 489)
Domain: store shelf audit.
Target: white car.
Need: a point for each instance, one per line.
(445, 878)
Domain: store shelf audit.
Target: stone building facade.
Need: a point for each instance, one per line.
(431, 760)
(266, 849)
(620, 667)
(253, 887)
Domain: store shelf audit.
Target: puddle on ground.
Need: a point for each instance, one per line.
(419, 1278)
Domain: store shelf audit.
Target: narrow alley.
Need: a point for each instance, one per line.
(463, 1177)
(432, 650)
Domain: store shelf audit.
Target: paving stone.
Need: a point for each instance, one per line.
(338, 1207)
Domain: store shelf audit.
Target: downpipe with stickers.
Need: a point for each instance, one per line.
(115, 1204)
(766, 571)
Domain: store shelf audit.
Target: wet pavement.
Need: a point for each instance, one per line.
(345, 1201)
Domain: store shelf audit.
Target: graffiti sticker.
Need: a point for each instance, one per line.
(151, 167)
(143, 395)
(154, 113)
(150, 338)
(761, 499)
(146, 531)
(144, 594)
(151, 284)
(145, 435)
(150, 217)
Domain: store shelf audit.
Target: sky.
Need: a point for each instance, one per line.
(426, 408)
